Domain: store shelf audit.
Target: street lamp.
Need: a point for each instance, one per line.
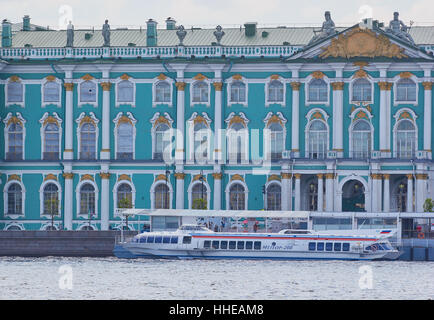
(201, 180)
(167, 187)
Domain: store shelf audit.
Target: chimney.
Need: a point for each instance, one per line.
(170, 24)
(151, 33)
(250, 29)
(6, 34)
(26, 23)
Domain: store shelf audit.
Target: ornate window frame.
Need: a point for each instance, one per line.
(399, 77)
(18, 118)
(83, 118)
(47, 181)
(82, 80)
(155, 121)
(360, 74)
(228, 190)
(14, 79)
(367, 117)
(313, 115)
(115, 192)
(268, 184)
(121, 118)
(116, 82)
(236, 79)
(162, 78)
(400, 115)
(157, 182)
(44, 121)
(191, 122)
(269, 80)
(11, 180)
(197, 79)
(194, 182)
(314, 76)
(51, 79)
(85, 180)
(231, 119)
(270, 119)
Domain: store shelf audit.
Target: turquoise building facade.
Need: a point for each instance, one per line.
(233, 119)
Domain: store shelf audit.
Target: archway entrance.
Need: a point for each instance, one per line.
(353, 196)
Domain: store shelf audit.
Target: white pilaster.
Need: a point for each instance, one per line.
(286, 195)
(427, 118)
(105, 151)
(421, 180)
(384, 119)
(295, 118)
(217, 190)
(180, 110)
(329, 191)
(386, 193)
(320, 192)
(409, 193)
(376, 192)
(68, 175)
(297, 204)
(338, 105)
(69, 121)
(179, 176)
(105, 205)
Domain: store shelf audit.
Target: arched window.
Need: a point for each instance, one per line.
(15, 92)
(237, 198)
(88, 142)
(87, 91)
(276, 141)
(405, 90)
(51, 199)
(275, 91)
(124, 196)
(238, 92)
(199, 196)
(200, 92)
(162, 196)
(51, 91)
(87, 199)
(274, 197)
(317, 90)
(405, 139)
(162, 92)
(361, 139)
(362, 90)
(236, 134)
(317, 137)
(15, 199)
(15, 142)
(125, 141)
(125, 91)
(161, 143)
(51, 143)
(200, 141)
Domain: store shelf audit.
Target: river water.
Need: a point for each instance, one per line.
(111, 278)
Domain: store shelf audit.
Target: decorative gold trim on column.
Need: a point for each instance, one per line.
(218, 86)
(68, 175)
(409, 176)
(297, 175)
(389, 86)
(106, 86)
(295, 150)
(376, 176)
(427, 85)
(69, 86)
(217, 175)
(179, 175)
(320, 175)
(105, 150)
(180, 86)
(421, 176)
(286, 175)
(383, 85)
(68, 150)
(386, 176)
(338, 85)
(104, 175)
(295, 86)
(329, 175)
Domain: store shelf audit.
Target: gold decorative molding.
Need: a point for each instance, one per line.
(50, 176)
(124, 119)
(376, 176)
(200, 119)
(338, 85)
(236, 119)
(217, 175)
(409, 176)
(320, 175)
(161, 119)
(162, 77)
(427, 85)
(385, 85)
(161, 177)
(68, 150)
(104, 175)
(87, 77)
(124, 177)
(295, 150)
(405, 75)
(180, 86)
(69, 86)
(218, 86)
(317, 115)
(87, 177)
(198, 176)
(286, 175)
(237, 177)
(361, 64)
(50, 78)
(14, 79)
(50, 119)
(237, 77)
(14, 177)
(68, 175)
(329, 175)
(386, 176)
(297, 175)
(362, 43)
(200, 77)
(87, 119)
(274, 77)
(179, 176)
(317, 75)
(275, 119)
(421, 176)
(360, 74)
(106, 86)
(14, 120)
(125, 77)
(295, 86)
(105, 150)
(274, 177)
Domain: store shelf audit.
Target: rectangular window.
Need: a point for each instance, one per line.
(166, 240)
(257, 245)
(150, 240)
(249, 245)
(329, 246)
(345, 247)
(240, 245)
(158, 239)
(186, 240)
(174, 240)
(312, 246)
(232, 244)
(320, 246)
(207, 244)
(337, 246)
(142, 240)
(215, 244)
(223, 245)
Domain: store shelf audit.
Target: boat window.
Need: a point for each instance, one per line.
(207, 244)
(215, 244)
(249, 245)
(329, 246)
(150, 240)
(257, 245)
(240, 245)
(320, 246)
(312, 246)
(158, 239)
(142, 239)
(186, 240)
(232, 244)
(166, 240)
(223, 245)
(338, 246)
(345, 247)
(174, 240)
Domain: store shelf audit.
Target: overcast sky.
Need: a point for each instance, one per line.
(213, 12)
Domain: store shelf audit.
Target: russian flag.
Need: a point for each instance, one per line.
(385, 231)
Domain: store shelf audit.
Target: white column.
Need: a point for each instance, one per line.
(338, 105)
(67, 216)
(409, 193)
(329, 191)
(297, 205)
(69, 121)
(218, 86)
(286, 195)
(179, 176)
(295, 118)
(105, 150)
(376, 192)
(427, 118)
(383, 120)
(320, 192)
(421, 180)
(105, 205)
(217, 190)
(386, 193)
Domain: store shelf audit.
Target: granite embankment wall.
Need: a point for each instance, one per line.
(59, 243)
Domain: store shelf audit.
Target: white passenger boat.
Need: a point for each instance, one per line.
(193, 241)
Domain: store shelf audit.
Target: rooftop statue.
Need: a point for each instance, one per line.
(181, 34)
(327, 29)
(399, 29)
(106, 33)
(70, 35)
(219, 33)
